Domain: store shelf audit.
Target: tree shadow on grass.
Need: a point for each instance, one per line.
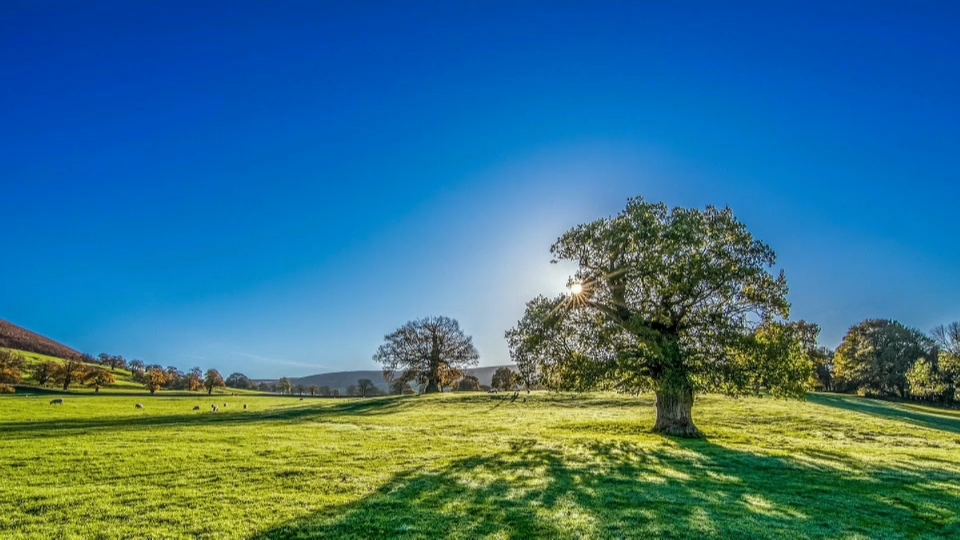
(235, 416)
(885, 409)
(600, 489)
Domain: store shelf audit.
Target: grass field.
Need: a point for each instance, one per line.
(474, 466)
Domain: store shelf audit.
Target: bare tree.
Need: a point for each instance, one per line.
(433, 349)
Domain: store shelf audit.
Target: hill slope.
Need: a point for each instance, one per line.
(343, 379)
(15, 337)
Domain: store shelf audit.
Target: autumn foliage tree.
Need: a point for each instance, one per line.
(212, 380)
(433, 350)
(677, 302)
(155, 378)
(43, 372)
(98, 378)
(70, 371)
(11, 367)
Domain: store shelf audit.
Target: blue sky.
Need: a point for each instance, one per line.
(271, 187)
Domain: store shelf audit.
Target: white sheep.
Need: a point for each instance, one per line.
(216, 409)
(58, 401)
(139, 405)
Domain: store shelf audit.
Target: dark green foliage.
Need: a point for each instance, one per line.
(468, 383)
(675, 301)
(876, 355)
(504, 378)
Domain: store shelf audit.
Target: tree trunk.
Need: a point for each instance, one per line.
(675, 413)
(433, 386)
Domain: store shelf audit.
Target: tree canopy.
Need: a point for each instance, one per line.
(876, 355)
(212, 380)
(675, 301)
(432, 350)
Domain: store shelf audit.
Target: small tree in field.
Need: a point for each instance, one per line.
(44, 372)
(284, 386)
(313, 390)
(300, 388)
(11, 367)
(154, 379)
(503, 378)
(193, 380)
(98, 377)
(213, 380)
(468, 383)
(433, 350)
(69, 372)
(365, 387)
(671, 301)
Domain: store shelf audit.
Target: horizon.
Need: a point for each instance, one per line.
(274, 189)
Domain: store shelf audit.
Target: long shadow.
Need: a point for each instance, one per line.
(889, 410)
(600, 489)
(311, 411)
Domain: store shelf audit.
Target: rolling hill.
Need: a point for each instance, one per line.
(343, 379)
(15, 337)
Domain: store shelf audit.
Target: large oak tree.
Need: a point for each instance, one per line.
(433, 351)
(677, 301)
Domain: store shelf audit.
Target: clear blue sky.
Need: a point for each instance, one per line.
(270, 187)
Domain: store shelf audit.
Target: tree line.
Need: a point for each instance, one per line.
(885, 358)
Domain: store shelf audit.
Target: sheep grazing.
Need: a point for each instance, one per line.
(215, 408)
(493, 391)
(224, 405)
(244, 406)
(139, 405)
(196, 408)
(58, 401)
(301, 399)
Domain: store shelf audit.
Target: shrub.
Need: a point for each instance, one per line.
(7, 389)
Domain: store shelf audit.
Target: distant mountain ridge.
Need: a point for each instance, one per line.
(15, 337)
(343, 379)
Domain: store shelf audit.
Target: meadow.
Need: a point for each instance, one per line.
(474, 466)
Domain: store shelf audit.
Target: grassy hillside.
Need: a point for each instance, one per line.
(15, 337)
(475, 466)
(124, 385)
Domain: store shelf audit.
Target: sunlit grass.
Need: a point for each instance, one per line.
(473, 466)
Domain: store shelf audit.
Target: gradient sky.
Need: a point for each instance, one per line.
(270, 187)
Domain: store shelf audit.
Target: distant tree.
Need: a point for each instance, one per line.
(366, 387)
(44, 372)
(11, 367)
(433, 349)
(239, 380)
(263, 387)
(668, 300)
(175, 379)
(947, 338)
(155, 378)
(398, 387)
(193, 380)
(300, 389)
(503, 378)
(284, 386)
(98, 377)
(352, 390)
(213, 380)
(70, 371)
(335, 392)
(87, 359)
(468, 383)
(325, 391)
(876, 355)
(136, 365)
(313, 390)
(925, 381)
(822, 359)
(113, 361)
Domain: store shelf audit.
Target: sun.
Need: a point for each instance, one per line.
(576, 288)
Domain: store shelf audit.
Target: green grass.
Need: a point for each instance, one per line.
(474, 466)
